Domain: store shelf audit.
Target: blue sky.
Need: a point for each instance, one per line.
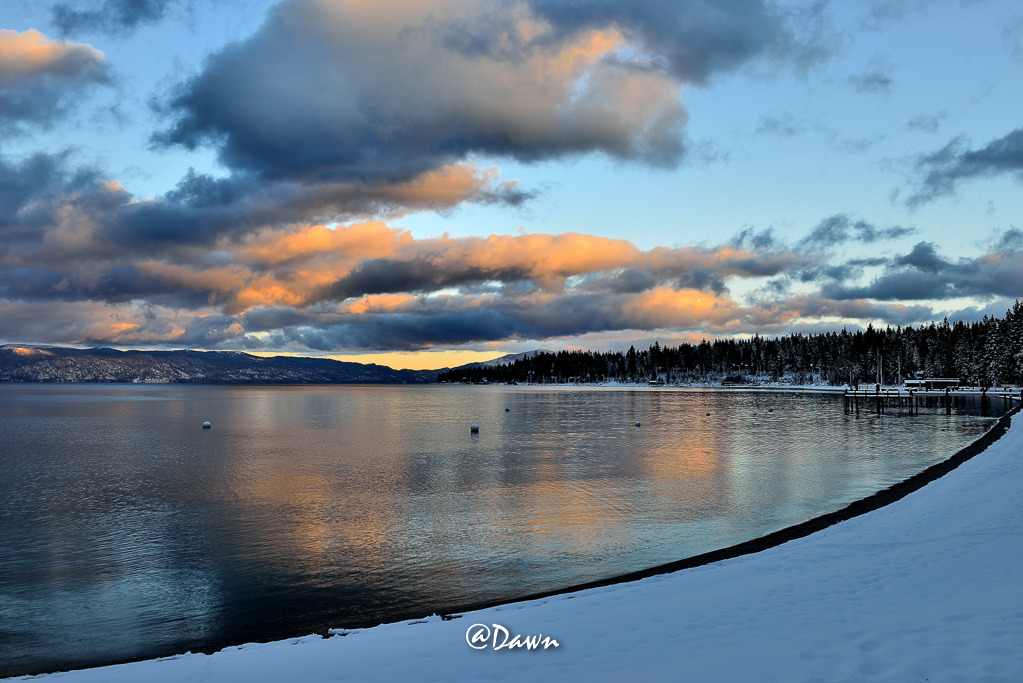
(426, 183)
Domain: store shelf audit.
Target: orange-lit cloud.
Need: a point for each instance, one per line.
(380, 303)
(30, 54)
(371, 286)
(664, 308)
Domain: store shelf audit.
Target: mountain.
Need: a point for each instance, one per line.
(503, 360)
(63, 364)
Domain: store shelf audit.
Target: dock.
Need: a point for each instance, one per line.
(881, 398)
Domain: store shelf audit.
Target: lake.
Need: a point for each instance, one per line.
(129, 531)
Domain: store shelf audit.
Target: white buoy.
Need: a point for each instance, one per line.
(637, 423)
(474, 427)
(206, 425)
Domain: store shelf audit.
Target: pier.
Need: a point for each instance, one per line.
(881, 398)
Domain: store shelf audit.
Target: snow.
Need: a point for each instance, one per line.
(927, 588)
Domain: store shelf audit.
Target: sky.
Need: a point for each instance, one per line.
(422, 184)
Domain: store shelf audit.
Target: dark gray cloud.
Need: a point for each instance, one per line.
(323, 93)
(818, 305)
(923, 273)
(387, 276)
(625, 281)
(840, 229)
(458, 323)
(704, 279)
(201, 209)
(411, 331)
(754, 239)
(33, 191)
(318, 93)
(110, 16)
(944, 169)
(924, 257)
(696, 38)
(1010, 242)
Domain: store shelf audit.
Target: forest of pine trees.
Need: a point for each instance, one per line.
(984, 353)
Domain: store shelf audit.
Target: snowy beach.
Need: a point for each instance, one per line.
(928, 587)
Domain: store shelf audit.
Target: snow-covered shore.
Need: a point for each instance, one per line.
(927, 588)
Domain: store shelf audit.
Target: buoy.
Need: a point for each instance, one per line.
(708, 414)
(507, 409)
(637, 423)
(206, 425)
(770, 410)
(474, 427)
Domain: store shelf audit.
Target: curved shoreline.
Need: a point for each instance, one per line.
(875, 501)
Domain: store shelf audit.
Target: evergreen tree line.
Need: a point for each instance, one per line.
(988, 353)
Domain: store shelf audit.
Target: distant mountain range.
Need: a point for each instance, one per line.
(503, 360)
(62, 364)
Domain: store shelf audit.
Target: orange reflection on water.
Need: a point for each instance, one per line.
(561, 518)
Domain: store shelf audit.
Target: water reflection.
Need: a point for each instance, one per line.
(131, 531)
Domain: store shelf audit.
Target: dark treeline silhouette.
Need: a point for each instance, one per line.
(984, 353)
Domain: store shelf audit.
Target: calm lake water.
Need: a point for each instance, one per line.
(129, 531)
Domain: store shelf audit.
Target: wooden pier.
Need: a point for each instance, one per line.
(881, 398)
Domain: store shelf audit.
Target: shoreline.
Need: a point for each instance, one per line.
(876, 501)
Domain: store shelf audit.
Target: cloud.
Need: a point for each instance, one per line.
(44, 197)
(361, 92)
(357, 92)
(217, 264)
(370, 286)
(110, 17)
(1012, 36)
(695, 38)
(783, 125)
(924, 274)
(75, 241)
(763, 239)
(876, 81)
(1010, 242)
(39, 78)
(840, 229)
(927, 123)
(201, 208)
(955, 162)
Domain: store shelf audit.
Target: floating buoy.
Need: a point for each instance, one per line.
(637, 423)
(708, 414)
(770, 410)
(474, 427)
(507, 409)
(206, 425)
